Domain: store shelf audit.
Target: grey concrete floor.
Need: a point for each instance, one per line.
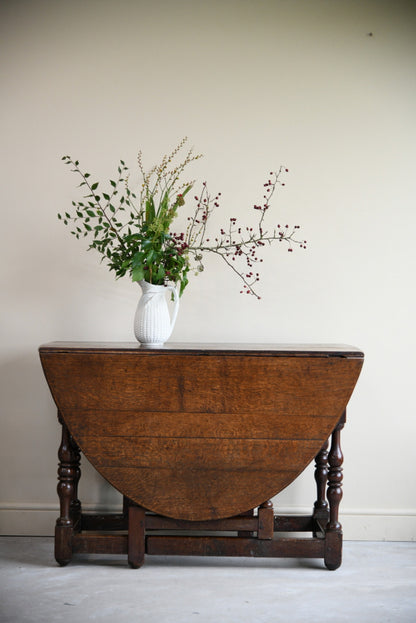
(376, 583)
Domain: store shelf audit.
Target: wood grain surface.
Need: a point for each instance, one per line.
(200, 432)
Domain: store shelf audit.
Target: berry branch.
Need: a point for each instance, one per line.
(138, 240)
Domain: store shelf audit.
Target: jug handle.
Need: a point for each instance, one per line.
(176, 307)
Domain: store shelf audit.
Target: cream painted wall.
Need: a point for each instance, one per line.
(254, 85)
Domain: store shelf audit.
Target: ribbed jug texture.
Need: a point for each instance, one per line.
(153, 324)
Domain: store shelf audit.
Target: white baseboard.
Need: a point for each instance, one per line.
(358, 525)
(379, 525)
(37, 519)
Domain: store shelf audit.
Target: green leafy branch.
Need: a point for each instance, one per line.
(133, 233)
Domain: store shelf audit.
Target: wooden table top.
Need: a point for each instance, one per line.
(342, 350)
(200, 431)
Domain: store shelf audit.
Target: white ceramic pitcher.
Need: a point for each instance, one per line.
(152, 322)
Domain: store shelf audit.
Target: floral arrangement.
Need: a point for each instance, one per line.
(133, 230)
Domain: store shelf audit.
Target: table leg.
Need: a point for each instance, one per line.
(320, 509)
(136, 536)
(321, 478)
(70, 508)
(75, 507)
(266, 521)
(333, 531)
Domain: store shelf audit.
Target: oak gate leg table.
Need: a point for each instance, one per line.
(198, 438)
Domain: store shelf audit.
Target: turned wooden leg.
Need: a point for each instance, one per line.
(136, 536)
(75, 508)
(333, 531)
(320, 511)
(68, 477)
